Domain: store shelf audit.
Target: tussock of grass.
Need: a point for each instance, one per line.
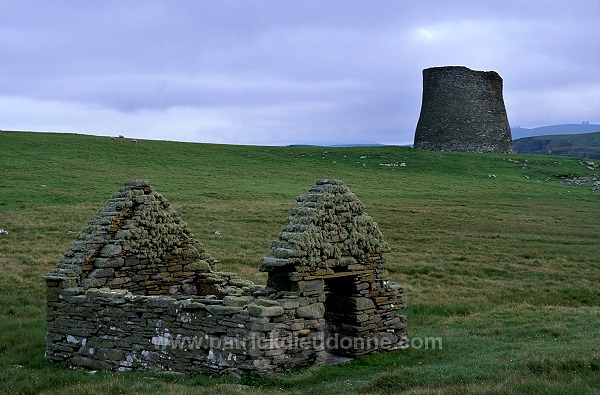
(504, 270)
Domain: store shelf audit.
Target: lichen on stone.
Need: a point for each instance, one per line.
(327, 223)
(137, 223)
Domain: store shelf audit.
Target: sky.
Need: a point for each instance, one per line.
(279, 72)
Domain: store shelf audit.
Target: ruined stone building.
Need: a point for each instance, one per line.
(463, 111)
(137, 291)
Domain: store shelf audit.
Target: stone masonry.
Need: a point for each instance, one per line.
(136, 291)
(462, 110)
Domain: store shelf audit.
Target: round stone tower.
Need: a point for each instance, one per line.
(462, 111)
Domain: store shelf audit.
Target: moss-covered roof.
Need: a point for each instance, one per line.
(329, 222)
(138, 222)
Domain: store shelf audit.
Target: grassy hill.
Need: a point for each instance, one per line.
(572, 128)
(584, 145)
(499, 259)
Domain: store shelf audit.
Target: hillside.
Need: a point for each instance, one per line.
(498, 255)
(577, 128)
(585, 145)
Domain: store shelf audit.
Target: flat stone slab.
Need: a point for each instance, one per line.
(331, 359)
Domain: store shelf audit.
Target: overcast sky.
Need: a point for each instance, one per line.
(285, 72)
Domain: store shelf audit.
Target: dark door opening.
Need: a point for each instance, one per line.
(340, 316)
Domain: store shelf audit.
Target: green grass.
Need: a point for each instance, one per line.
(498, 258)
(583, 145)
(589, 140)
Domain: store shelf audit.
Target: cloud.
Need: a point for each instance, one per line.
(553, 105)
(276, 72)
(295, 123)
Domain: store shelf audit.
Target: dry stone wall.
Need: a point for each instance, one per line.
(462, 110)
(137, 291)
(332, 246)
(138, 242)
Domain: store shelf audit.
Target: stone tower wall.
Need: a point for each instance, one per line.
(463, 111)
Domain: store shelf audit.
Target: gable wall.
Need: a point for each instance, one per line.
(179, 315)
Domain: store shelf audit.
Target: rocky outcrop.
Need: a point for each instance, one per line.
(463, 111)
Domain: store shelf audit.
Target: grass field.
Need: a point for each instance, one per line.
(499, 259)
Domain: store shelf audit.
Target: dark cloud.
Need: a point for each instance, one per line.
(274, 72)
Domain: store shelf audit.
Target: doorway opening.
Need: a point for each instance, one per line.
(341, 316)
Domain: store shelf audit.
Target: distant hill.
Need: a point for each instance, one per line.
(582, 145)
(577, 128)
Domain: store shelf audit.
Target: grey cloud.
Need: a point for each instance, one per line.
(294, 71)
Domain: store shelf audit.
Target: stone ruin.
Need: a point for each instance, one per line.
(463, 111)
(137, 291)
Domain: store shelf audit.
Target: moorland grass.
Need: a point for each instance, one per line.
(499, 259)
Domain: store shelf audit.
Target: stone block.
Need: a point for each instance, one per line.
(107, 262)
(100, 273)
(259, 320)
(72, 291)
(266, 302)
(237, 300)
(113, 312)
(160, 301)
(264, 311)
(309, 287)
(223, 310)
(253, 326)
(289, 303)
(275, 351)
(294, 276)
(76, 299)
(316, 310)
(152, 356)
(90, 363)
(117, 281)
(297, 325)
(385, 340)
(110, 354)
(364, 304)
(132, 261)
(198, 266)
(362, 317)
(110, 250)
(94, 282)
